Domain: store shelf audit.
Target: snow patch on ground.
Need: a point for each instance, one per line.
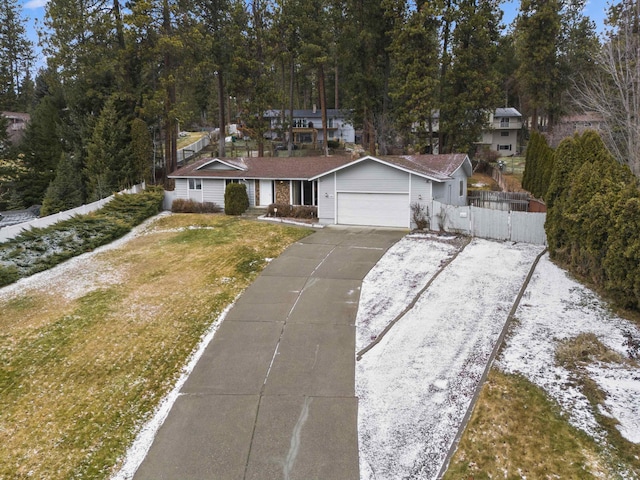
(395, 280)
(557, 308)
(416, 385)
(79, 275)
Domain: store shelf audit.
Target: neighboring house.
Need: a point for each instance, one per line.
(501, 133)
(569, 125)
(374, 191)
(16, 125)
(307, 125)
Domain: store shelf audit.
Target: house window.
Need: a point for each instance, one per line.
(331, 134)
(504, 123)
(231, 180)
(195, 184)
(461, 188)
(504, 134)
(504, 147)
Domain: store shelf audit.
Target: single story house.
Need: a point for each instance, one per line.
(376, 191)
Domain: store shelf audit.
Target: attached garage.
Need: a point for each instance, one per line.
(374, 209)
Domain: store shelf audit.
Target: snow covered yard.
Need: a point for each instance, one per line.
(416, 385)
(557, 309)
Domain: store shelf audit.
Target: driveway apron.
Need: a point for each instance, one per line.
(273, 395)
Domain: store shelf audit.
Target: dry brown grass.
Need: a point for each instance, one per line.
(87, 354)
(517, 432)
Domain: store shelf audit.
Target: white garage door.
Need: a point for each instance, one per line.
(376, 209)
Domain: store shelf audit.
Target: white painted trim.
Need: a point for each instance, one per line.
(217, 160)
(383, 162)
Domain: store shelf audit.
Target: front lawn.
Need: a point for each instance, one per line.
(88, 349)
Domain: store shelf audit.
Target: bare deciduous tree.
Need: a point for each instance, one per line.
(613, 92)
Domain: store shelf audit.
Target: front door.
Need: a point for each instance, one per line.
(266, 193)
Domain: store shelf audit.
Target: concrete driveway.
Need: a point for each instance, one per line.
(273, 395)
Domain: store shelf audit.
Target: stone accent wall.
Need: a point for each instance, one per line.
(282, 192)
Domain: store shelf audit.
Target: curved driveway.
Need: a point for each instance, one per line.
(273, 395)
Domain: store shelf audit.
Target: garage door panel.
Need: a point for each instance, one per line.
(375, 209)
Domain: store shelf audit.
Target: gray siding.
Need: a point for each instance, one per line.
(213, 191)
(420, 193)
(327, 199)
(371, 176)
(251, 191)
(182, 185)
(449, 191)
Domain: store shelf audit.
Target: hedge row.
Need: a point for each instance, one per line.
(181, 205)
(39, 249)
(292, 211)
(593, 217)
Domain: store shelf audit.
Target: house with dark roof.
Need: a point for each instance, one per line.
(376, 191)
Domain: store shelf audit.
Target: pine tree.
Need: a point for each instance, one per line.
(65, 191)
(42, 148)
(537, 36)
(16, 57)
(414, 80)
(108, 158)
(472, 84)
(141, 152)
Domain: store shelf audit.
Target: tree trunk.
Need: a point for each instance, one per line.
(170, 126)
(323, 110)
(443, 73)
(291, 85)
(221, 119)
(337, 103)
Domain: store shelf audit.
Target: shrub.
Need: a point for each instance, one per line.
(279, 210)
(236, 199)
(39, 249)
(290, 211)
(181, 205)
(305, 211)
(420, 216)
(333, 143)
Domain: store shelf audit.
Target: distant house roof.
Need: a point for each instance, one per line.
(499, 112)
(23, 117)
(507, 112)
(435, 167)
(317, 113)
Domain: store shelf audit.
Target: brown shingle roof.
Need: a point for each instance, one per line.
(299, 168)
(437, 167)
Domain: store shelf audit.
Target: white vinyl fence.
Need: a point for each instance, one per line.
(190, 150)
(526, 227)
(7, 233)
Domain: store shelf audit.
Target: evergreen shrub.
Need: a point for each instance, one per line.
(39, 249)
(236, 199)
(181, 205)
